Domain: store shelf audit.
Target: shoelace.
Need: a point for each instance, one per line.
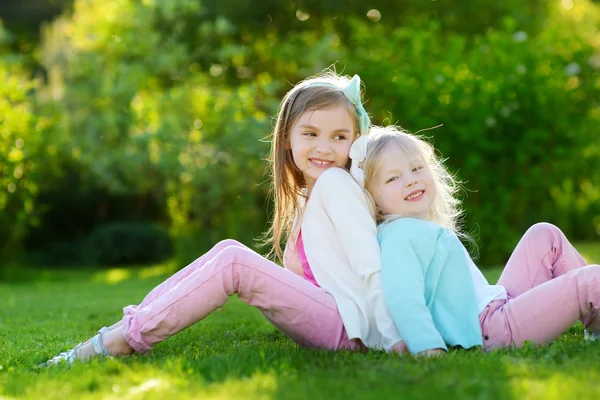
(592, 337)
(70, 356)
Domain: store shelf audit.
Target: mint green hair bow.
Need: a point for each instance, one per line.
(352, 93)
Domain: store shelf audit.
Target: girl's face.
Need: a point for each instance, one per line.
(403, 184)
(321, 139)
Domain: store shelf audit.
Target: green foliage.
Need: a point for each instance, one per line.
(119, 243)
(167, 103)
(148, 115)
(518, 114)
(21, 148)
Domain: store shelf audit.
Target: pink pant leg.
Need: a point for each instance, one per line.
(174, 279)
(543, 313)
(302, 311)
(542, 254)
(548, 287)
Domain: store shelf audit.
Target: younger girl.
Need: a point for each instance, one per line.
(328, 230)
(435, 293)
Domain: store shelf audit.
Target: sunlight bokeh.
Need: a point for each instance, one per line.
(526, 384)
(115, 275)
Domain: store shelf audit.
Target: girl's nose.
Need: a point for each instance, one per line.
(411, 180)
(323, 148)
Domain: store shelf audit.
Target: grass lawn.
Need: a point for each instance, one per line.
(235, 353)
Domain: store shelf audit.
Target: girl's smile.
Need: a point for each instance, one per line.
(321, 139)
(320, 163)
(404, 185)
(415, 196)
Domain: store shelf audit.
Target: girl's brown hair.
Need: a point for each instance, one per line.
(320, 92)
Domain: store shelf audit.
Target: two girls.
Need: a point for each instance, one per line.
(330, 293)
(331, 239)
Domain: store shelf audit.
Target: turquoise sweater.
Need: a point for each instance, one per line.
(427, 285)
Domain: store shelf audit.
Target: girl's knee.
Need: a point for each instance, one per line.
(233, 253)
(228, 242)
(589, 274)
(224, 244)
(542, 229)
(588, 291)
(587, 280)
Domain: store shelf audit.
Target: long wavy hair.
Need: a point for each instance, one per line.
(287, 181)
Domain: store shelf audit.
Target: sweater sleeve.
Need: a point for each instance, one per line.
(346, 206)
(406, 244)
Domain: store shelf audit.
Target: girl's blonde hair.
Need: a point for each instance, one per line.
(446, 208)
(287, 181)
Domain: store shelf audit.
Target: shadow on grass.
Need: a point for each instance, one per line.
(235, 353)
(100, 275)
(269, 366)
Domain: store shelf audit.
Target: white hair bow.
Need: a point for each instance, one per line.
(358, 153)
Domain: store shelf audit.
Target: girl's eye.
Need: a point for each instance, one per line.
(309, 133)
(392, 179)
(339, 137)
(415, 169)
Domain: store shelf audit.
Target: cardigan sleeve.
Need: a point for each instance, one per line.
(346, 206)
(406, 247)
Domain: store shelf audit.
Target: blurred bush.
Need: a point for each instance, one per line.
(520, 116)
(119, 243)
(23, 149)
(156, 110)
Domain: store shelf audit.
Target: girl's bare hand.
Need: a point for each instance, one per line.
(432, 353)
(399, 348)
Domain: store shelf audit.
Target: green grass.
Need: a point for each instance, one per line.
(590, 251)
(235, 353)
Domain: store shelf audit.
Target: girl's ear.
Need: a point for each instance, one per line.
(287, 145)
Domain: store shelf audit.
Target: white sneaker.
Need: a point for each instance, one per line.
(70, 356)
(592, 337)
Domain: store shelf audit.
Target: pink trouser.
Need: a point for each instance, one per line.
(305, 313)
(549, 288)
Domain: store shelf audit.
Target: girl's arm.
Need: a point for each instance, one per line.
(346, 205)
(407, 247)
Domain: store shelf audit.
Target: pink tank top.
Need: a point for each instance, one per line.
(308, 275)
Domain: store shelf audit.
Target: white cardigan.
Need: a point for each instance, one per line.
(340, 241)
